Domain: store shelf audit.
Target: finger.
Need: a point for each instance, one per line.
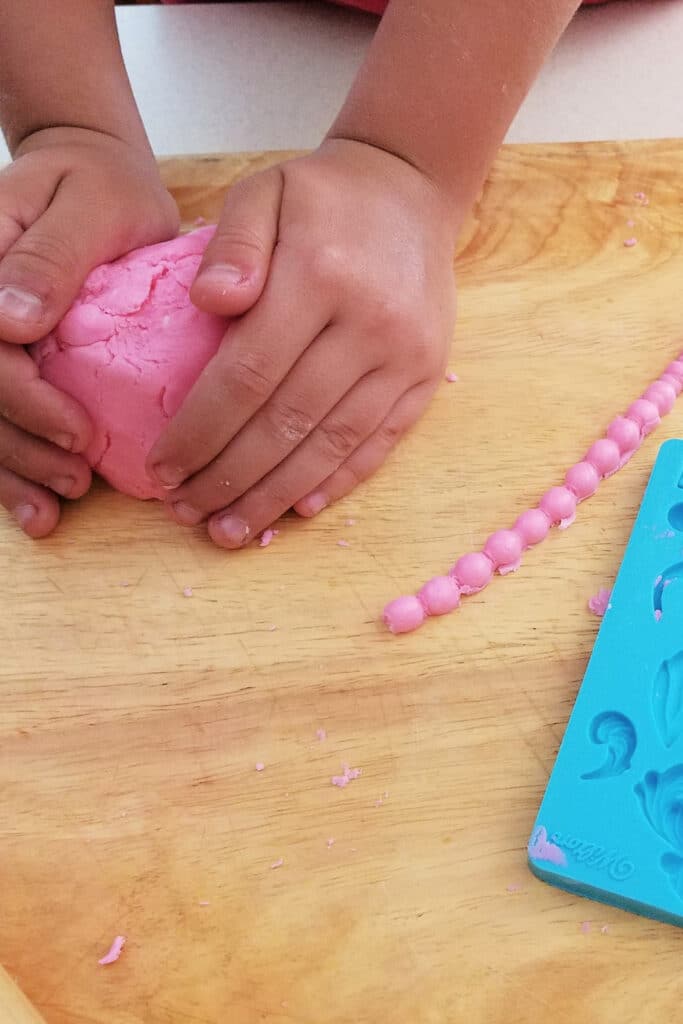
(36, 406)
(353, 420)
(43, 463)
(42, 272)
(369, 456)
(325, 373)
(234, 269)
(34, 508)
(254, 358)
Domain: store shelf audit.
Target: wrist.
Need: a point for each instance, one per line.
(78, 135)
(442, 199)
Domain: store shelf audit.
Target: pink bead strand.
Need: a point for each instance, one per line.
(503, 550)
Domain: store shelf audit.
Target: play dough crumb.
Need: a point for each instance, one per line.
(630, 223)
(348, 775)
(599, 603)
(452, 378)
(585, 927)
(267, 537)
(115, 951)
(604, 930)
(350, 522)
(259, 766)
(641, 198)
(277, 864)
(321, 734)
(187, 592)
(204, 903)
(343, 544)
(513, 888)
(330, 843)
(630, 242)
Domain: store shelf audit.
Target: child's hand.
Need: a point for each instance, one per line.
(71, 200)
(344, 261)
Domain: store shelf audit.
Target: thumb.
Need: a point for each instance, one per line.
(41, 274)
(235, 266)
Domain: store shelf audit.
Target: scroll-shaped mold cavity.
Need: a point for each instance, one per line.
(673, 867)
(676, 516)
(667, 699)
(661, 583)
(661, 800)
(617, 734)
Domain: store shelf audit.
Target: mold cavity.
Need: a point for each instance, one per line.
(617, 734)
(676, 516)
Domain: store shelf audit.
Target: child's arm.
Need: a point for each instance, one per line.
(83, 189)
(443, 81)
(347, 255)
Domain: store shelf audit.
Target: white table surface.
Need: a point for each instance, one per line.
(230, 77)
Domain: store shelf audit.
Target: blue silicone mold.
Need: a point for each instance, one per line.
(610, 826)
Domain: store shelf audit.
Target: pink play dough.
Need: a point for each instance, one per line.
(473, 572)
(504, 548)
(532, 526)
(129, 350)
(557, 507)
(115, 951)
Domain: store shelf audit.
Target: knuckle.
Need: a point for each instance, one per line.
(274, 499)
(326, 264)
(46, 258)
(389, 434)
(10, 229)
(339, 439)
(253, 373)
(289, 422)
(387, 315)
(235, 236)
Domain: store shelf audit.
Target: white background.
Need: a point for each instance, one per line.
(231, 77)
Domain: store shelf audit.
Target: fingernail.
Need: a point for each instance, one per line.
(314, 503)
(234, 531)
(24, 514)
(168, 477)
(65, 441)
(186, 514)
(17, 304)
(225, 274)
(64, 485)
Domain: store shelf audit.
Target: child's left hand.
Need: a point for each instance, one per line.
(342, 264)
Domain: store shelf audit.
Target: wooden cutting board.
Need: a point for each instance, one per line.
(132, 717)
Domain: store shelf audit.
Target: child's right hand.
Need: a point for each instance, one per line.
(72, 199)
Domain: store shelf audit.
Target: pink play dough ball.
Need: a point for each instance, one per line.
(675, 382)
(644, 413)
(129, 350)
(582, 480)
(532, 526)
(504, 548)
(559, 504)
(440, 595)
(676, 369)
(473, 572)
(662, 395)
(404, 614)
(625, 433)
(604, 455)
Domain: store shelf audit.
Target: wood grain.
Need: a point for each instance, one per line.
(132, 717)
(14, 1007)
